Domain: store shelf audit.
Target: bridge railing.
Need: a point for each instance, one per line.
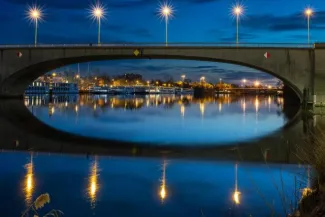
(227, 45)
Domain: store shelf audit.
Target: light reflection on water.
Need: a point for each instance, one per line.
(128, 186)
(29, 182)
(93, 183)
(163, 119)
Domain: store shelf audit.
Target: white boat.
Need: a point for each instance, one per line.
(184, 91)
(152, 90)
(167, 90)
(98, 90)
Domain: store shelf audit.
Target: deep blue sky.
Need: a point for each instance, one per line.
(67, 21)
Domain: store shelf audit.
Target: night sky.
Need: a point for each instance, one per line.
(67, 21)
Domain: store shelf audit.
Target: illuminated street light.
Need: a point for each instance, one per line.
(257, 83)
(98, 12)
(166, 12)
(308, 12)
(244, 81)
(183, 77)
(53, 74)
(35, 14)
(202, 79)
(237, 11)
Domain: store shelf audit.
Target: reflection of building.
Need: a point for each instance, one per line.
(45, 87)
(37, 87)
(64, 88)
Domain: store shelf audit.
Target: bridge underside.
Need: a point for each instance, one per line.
(295, 67)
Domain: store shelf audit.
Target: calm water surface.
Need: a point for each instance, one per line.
(163, 119)
(116, 186)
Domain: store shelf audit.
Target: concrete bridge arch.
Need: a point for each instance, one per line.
(294, 66)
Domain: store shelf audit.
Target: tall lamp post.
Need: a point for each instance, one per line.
(35, 15)
(308, 13)
(98, 12)
(237, 11)
(166, 11)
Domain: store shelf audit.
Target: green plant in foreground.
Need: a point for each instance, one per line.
(38, 204)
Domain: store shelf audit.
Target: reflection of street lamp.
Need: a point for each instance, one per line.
(163, 190)
(236, 195)
(308, 13)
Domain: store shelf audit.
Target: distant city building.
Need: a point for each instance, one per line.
(45, 88)
(38, 87)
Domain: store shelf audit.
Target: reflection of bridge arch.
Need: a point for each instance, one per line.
(294, 66)
(19, 126)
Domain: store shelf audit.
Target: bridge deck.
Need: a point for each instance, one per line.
(163, 45)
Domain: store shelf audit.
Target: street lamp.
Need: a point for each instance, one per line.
(244, 81)
(202, 79)
(308, 12)
(35, 14)
(257, 83)
(237, 11)
(166, 11)
(97, 12)
(183, 77)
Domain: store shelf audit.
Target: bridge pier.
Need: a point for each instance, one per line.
(318, 95)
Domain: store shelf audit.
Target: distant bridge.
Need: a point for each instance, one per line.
(301, 66)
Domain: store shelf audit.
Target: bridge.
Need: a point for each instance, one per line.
(300, 66)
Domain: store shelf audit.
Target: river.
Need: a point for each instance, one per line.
(86, 180)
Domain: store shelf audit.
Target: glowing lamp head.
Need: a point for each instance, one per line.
(309, 12)
(166, 10)
(98, 12)
(237, 10)
(257, 83)
(34, 13)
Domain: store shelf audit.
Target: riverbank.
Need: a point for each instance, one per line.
(313, 153)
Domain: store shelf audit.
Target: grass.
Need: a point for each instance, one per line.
(313, 153)
(38, 204)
